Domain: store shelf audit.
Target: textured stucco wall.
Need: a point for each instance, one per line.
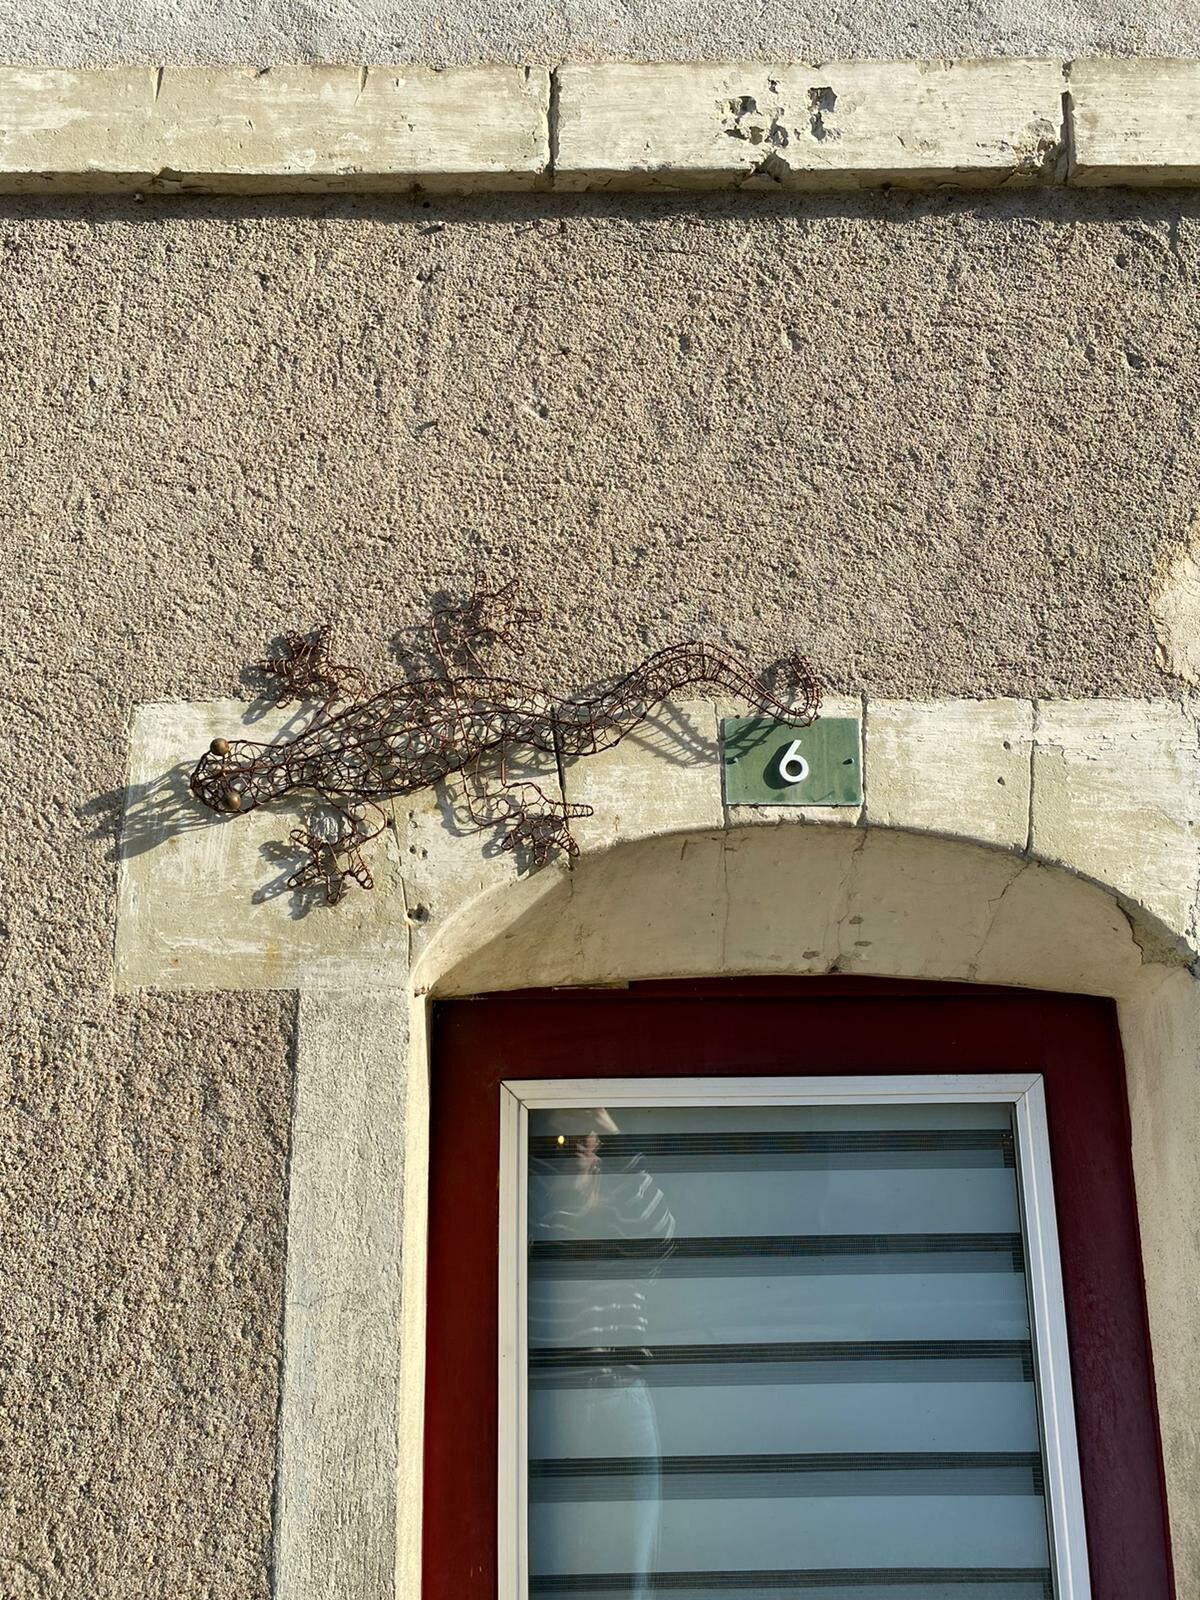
(948, 445)
(99, 31)
(142, 1196)
(945, 445)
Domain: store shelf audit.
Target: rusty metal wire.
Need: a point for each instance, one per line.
(451, 718)
(306, 670)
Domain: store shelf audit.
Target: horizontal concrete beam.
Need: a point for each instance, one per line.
(1107, 789)
(830, 126)
(243, 130)
(1136, 122)
(833, 126)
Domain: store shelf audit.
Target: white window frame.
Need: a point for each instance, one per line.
(1052, 1367)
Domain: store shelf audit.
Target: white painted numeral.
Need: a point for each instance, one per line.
(793, 768)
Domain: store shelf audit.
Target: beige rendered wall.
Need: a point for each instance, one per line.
(479, 30)
(947, 444)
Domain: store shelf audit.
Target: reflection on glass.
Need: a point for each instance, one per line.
(781, 1351)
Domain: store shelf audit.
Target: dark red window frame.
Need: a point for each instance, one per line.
(793, 1028)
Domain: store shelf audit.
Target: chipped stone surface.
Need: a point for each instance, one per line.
(951, 766)
(618, 124)
(242, 129)
(834, 124)
(1135, 121)
(1116, 797)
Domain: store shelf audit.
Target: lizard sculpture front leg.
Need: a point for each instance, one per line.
(333, 861)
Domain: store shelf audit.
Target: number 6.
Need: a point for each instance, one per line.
(793, 768)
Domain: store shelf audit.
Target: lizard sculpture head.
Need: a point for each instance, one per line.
(219, 780)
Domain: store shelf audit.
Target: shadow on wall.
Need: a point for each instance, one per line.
(153, 814)
(157, 812)
(148, 814)
(799, 899)
(1145, 210)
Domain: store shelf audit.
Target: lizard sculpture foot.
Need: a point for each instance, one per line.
(332, 863)
(544, 832)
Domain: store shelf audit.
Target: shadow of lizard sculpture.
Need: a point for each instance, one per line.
(450, 717)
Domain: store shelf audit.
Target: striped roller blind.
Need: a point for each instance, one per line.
(781, 1351)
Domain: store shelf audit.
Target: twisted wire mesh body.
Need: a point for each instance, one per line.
(451, 718)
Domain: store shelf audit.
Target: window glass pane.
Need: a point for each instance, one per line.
(781, 1351)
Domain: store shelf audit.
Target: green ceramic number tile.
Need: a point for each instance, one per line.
(770, 763)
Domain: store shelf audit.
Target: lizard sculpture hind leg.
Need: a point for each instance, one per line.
(532, 820)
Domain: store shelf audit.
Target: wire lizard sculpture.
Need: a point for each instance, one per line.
(452, 718)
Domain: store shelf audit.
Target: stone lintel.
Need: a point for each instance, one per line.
(1107, 790)
(289, 128)
(672, 126)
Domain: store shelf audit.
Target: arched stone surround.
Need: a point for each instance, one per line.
(1049, 847)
